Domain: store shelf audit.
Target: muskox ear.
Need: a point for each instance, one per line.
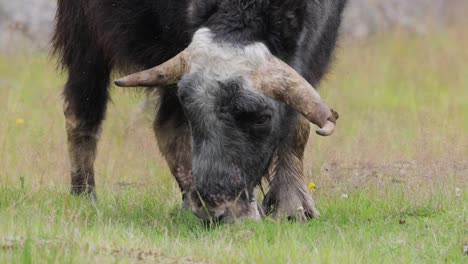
(170, 72)
(279, 80)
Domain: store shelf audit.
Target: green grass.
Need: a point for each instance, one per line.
(49, 225)
(392, 182)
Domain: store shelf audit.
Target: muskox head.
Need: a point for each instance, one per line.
(235, 98)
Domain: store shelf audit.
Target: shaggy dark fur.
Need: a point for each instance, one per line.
(92, 38)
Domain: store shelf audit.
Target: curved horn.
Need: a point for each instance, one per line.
(167, 73)
(279, 80)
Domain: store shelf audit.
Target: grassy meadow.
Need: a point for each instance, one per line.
(391, 182)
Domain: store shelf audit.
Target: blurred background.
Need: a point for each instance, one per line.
(29, 23)
(391, 183)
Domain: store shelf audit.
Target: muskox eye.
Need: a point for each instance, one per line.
(263, 119)
(235, 86)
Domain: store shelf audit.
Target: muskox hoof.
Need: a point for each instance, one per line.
(290, 204)
(85, 192)
(185, 203)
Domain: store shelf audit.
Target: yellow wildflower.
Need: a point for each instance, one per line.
(312, 186)
(19, 121)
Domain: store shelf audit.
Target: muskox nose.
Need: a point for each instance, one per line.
(206, 207)
(206, 214)
(226, 211)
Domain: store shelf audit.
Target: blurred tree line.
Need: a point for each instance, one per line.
(29, 23)
(366, 17)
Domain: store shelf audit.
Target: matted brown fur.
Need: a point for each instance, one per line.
(174, 144)
(82, 149)
(288, 194)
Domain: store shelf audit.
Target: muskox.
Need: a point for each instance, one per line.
(235, 80)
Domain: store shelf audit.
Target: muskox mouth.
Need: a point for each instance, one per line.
(227, 212)
(253, 213)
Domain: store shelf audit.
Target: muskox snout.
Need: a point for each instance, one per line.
(223, 210)
(210, 214)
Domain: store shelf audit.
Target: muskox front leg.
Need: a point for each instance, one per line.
(289, 196)
(173, 136)
(86, 96)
